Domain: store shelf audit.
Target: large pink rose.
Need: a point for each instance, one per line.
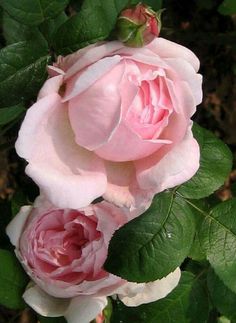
(114, 121)
(63, 251)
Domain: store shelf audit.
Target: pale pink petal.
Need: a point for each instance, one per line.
(99, 109)
(86, 56)
(133, 294)
(52, 85)
(167, 169)
(91, 75)
(45, 304)
(15, 227)
(168, 49)
(186, 72)
(123, 189)
(70, 176)
(119, 149)
(84, 309)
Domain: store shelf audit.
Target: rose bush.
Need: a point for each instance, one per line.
(114, 121)
(63, 251)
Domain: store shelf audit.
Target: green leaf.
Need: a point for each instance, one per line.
(15, 32)
(18, 200)
(50, 26)
(218, 238)
(171, 309)
(228, 7)
(222, 297)
(215, 165)
(23, 70)
(154, 244)
(198, 309)
(13, 281)
(11, 113)
(196, 252)
(33, 12)
(93, 23)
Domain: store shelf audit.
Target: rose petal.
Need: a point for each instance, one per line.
(86, 56)
(99, 108)
(15, 227)
(84, 309)
(45, 304)
(91, 75)
(167, 49)
(70, 176)
(186, 72)
(52, 85)
(123, 189)
(166, 170)
(133, 294)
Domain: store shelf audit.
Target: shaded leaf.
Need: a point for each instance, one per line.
(215, 165)
(33, 12)
(10, 113)
(154, 244)
(13, 281)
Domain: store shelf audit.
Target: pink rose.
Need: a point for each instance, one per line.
(63, 251)
(114, 121)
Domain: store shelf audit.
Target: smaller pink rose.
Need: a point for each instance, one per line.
(63, 251)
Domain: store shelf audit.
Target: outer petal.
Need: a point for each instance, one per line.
(98, 110)
(123, 189)
(16, 226)
(76, 62)
(52, 85)
(84, 309)
(91, 75)
(167, 169)
(133, 294)
(186, 72)
(167, 49)
(69, 175)
(45, 304)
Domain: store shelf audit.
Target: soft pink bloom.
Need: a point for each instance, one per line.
(114, 121)
(63, 251)
(100, 318)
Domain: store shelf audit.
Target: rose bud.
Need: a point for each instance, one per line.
(63, 251)
(138, 25)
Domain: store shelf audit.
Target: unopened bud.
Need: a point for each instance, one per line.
(138, 25)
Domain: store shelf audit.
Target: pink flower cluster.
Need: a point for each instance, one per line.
(111, 122)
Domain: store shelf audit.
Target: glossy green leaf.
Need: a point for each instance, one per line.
(222, 297)
(171, 309)
(33, 12)
(15, 32)
(215, 166)
(50, 27)
(23, 71)
(228, 7)
(10, 113)
(198, 309)
(154, 244)
(218, 238)
(13, 281)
